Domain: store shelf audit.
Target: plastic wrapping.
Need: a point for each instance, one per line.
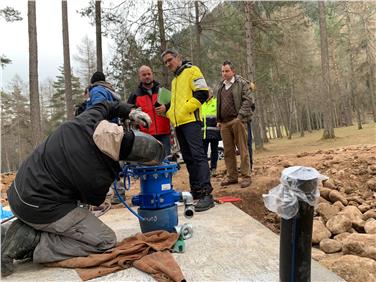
(298, 183)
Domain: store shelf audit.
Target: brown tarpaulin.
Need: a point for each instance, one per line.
(148, 252)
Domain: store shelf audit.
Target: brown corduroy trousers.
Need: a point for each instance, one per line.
(234, 135)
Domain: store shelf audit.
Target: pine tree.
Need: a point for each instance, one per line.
(57, 103)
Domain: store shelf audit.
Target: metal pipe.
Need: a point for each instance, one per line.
(188, 203)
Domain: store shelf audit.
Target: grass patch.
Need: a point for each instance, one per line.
(345, 136)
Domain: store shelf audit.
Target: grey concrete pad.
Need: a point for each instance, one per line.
(227, 245)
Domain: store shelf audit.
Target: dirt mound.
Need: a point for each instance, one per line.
(351, 170)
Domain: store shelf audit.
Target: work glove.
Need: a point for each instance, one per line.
(139, 117)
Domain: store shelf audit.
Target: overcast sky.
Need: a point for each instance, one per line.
(14, 38)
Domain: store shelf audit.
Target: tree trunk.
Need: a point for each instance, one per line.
(328, 118)
(36, 131)
(341, 119)
(19, 149)
(98, 31)
(67, 67)
(7, 160)
(163, 42)
(309, 117)
(289, 136)
(256, 123)
(300, 118)
(198, 34)
(263, 125)
(371, 73)
(276, 114)
(352, 74)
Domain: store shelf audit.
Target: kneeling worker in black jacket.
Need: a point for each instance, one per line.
(77, 162)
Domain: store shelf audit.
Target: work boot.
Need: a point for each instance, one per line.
(205, 203)
(228, 181)
(246, 181)
(19, 243)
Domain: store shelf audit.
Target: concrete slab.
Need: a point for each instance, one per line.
(227, 245)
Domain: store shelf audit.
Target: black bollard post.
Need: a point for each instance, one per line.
(296, 237)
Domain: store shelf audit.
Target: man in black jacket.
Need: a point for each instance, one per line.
(77, 162)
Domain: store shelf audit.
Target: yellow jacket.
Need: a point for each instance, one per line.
(184, 107)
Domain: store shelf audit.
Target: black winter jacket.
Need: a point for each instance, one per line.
(65, 168)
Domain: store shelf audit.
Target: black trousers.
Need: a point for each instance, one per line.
(213, 151)
(192, 148)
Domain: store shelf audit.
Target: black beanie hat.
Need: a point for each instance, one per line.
(97, 76)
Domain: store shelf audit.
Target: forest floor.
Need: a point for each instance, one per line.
(345, 159)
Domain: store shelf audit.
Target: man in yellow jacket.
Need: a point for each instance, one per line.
(188, 92)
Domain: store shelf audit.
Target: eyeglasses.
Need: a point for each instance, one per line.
(168, 60)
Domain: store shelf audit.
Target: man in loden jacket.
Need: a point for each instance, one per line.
(77, 162)
(188, 92)
(145, 97)
(234, 111)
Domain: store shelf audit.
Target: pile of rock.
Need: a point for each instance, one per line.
(344, 231)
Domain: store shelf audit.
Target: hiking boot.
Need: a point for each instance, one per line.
(20, 242)
(205, 203)
(246, 181)
(213, 172)
(227, 181)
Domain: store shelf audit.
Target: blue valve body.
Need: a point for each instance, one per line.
(157, 198)
(156, 187)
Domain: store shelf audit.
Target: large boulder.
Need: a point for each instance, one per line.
(317, 254)
(342, 236)
(364, 207)
(327, 211)
(370, 226)
(324, 192)
(352, 268)
(358, 224)
(334, 196)
(319, 232)
(329, 184)
(369, 214)
(356, 217)
(339, 205)
(330, 246)
(371, 184)
(339, 224)
(363, 245)
(351, 212)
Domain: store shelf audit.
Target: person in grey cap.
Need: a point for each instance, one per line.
(77, 162)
